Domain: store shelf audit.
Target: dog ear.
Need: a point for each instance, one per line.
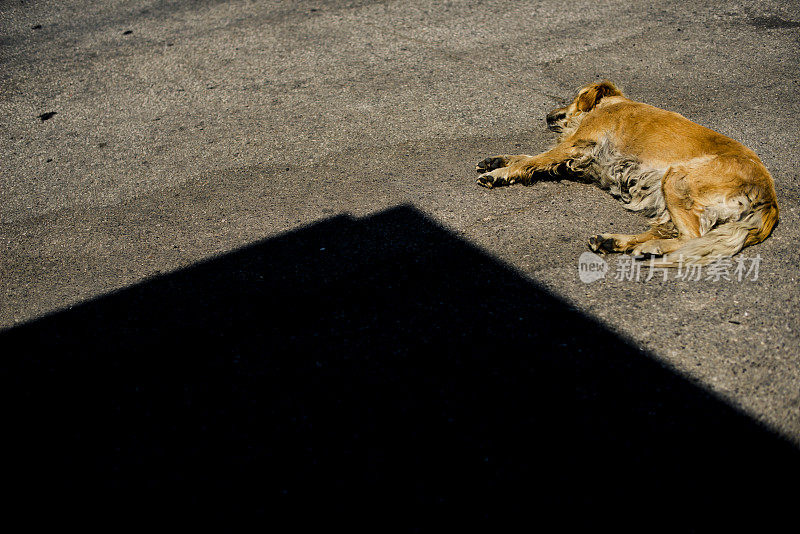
(590, 96)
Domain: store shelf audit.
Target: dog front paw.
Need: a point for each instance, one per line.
(491, 163)
(493, 179)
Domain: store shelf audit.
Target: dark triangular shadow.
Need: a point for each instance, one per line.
(371, 368)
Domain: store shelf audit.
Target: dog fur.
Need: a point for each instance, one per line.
(706, 195)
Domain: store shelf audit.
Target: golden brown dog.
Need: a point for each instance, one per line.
(706, 195)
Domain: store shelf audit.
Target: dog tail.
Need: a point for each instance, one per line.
(724, 240)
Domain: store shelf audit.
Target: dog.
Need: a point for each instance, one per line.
(706, 196)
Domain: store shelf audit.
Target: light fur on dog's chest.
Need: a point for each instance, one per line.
(634, 184)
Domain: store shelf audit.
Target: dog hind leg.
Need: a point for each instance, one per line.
(687, 200)
(627, 242)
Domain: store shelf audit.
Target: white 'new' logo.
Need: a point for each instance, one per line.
(591, 267)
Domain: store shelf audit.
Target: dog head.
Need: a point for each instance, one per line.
(586, 100)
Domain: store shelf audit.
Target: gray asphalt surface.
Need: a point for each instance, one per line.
(184, 130)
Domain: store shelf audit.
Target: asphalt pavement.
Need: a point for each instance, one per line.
(158, 156)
